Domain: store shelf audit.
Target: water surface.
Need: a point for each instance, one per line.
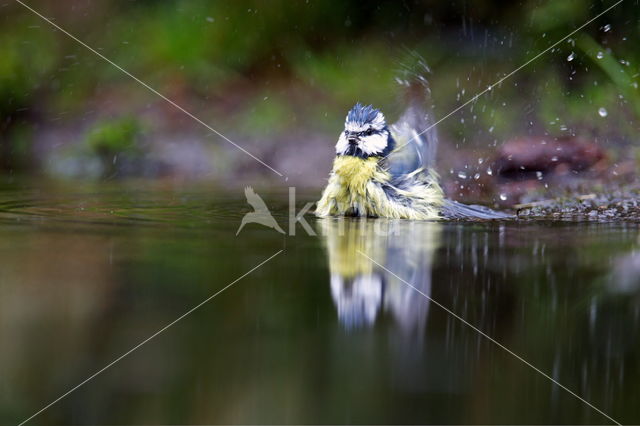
(338, 328)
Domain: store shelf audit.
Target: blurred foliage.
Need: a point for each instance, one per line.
(261, 70)
(614, 69)
(113, 147)
(112, 137)
(28, 58)
(115, 142)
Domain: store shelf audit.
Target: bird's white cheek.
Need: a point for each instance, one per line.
(341, 146)
(374, 144)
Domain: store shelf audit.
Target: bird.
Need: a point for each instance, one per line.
(387, 171)
(261, 213)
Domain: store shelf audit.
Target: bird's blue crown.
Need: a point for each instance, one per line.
(361, 115)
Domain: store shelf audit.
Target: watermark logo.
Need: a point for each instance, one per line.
(262, 215)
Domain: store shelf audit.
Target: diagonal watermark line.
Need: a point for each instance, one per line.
(151, 89)
(494, 341)
(190, 311)
(497, 83)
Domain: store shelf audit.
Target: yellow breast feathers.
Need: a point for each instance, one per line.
(357, 172)
(357, 188)
(349, 189)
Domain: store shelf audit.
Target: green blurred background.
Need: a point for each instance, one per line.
(278, 77)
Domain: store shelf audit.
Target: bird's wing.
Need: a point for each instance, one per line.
(415, 132)
(408, 155)
(255, 201)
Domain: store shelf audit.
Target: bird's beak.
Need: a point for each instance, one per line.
(352, 139)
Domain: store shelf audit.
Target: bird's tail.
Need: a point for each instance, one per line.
(455, 210)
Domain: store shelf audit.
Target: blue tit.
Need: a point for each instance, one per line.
(385, 171)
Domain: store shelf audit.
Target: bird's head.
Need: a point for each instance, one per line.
(365, 133)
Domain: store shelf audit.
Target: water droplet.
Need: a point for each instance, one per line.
(489, 171)
(571, 57)
(599, 55)
(539, 175)
(503, 197)
(462, 175)
(476, 176)
(606, 28)
(602, 112)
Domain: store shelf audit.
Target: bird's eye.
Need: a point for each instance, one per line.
(369, 132)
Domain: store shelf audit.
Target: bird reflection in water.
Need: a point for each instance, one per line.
(363, 290)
